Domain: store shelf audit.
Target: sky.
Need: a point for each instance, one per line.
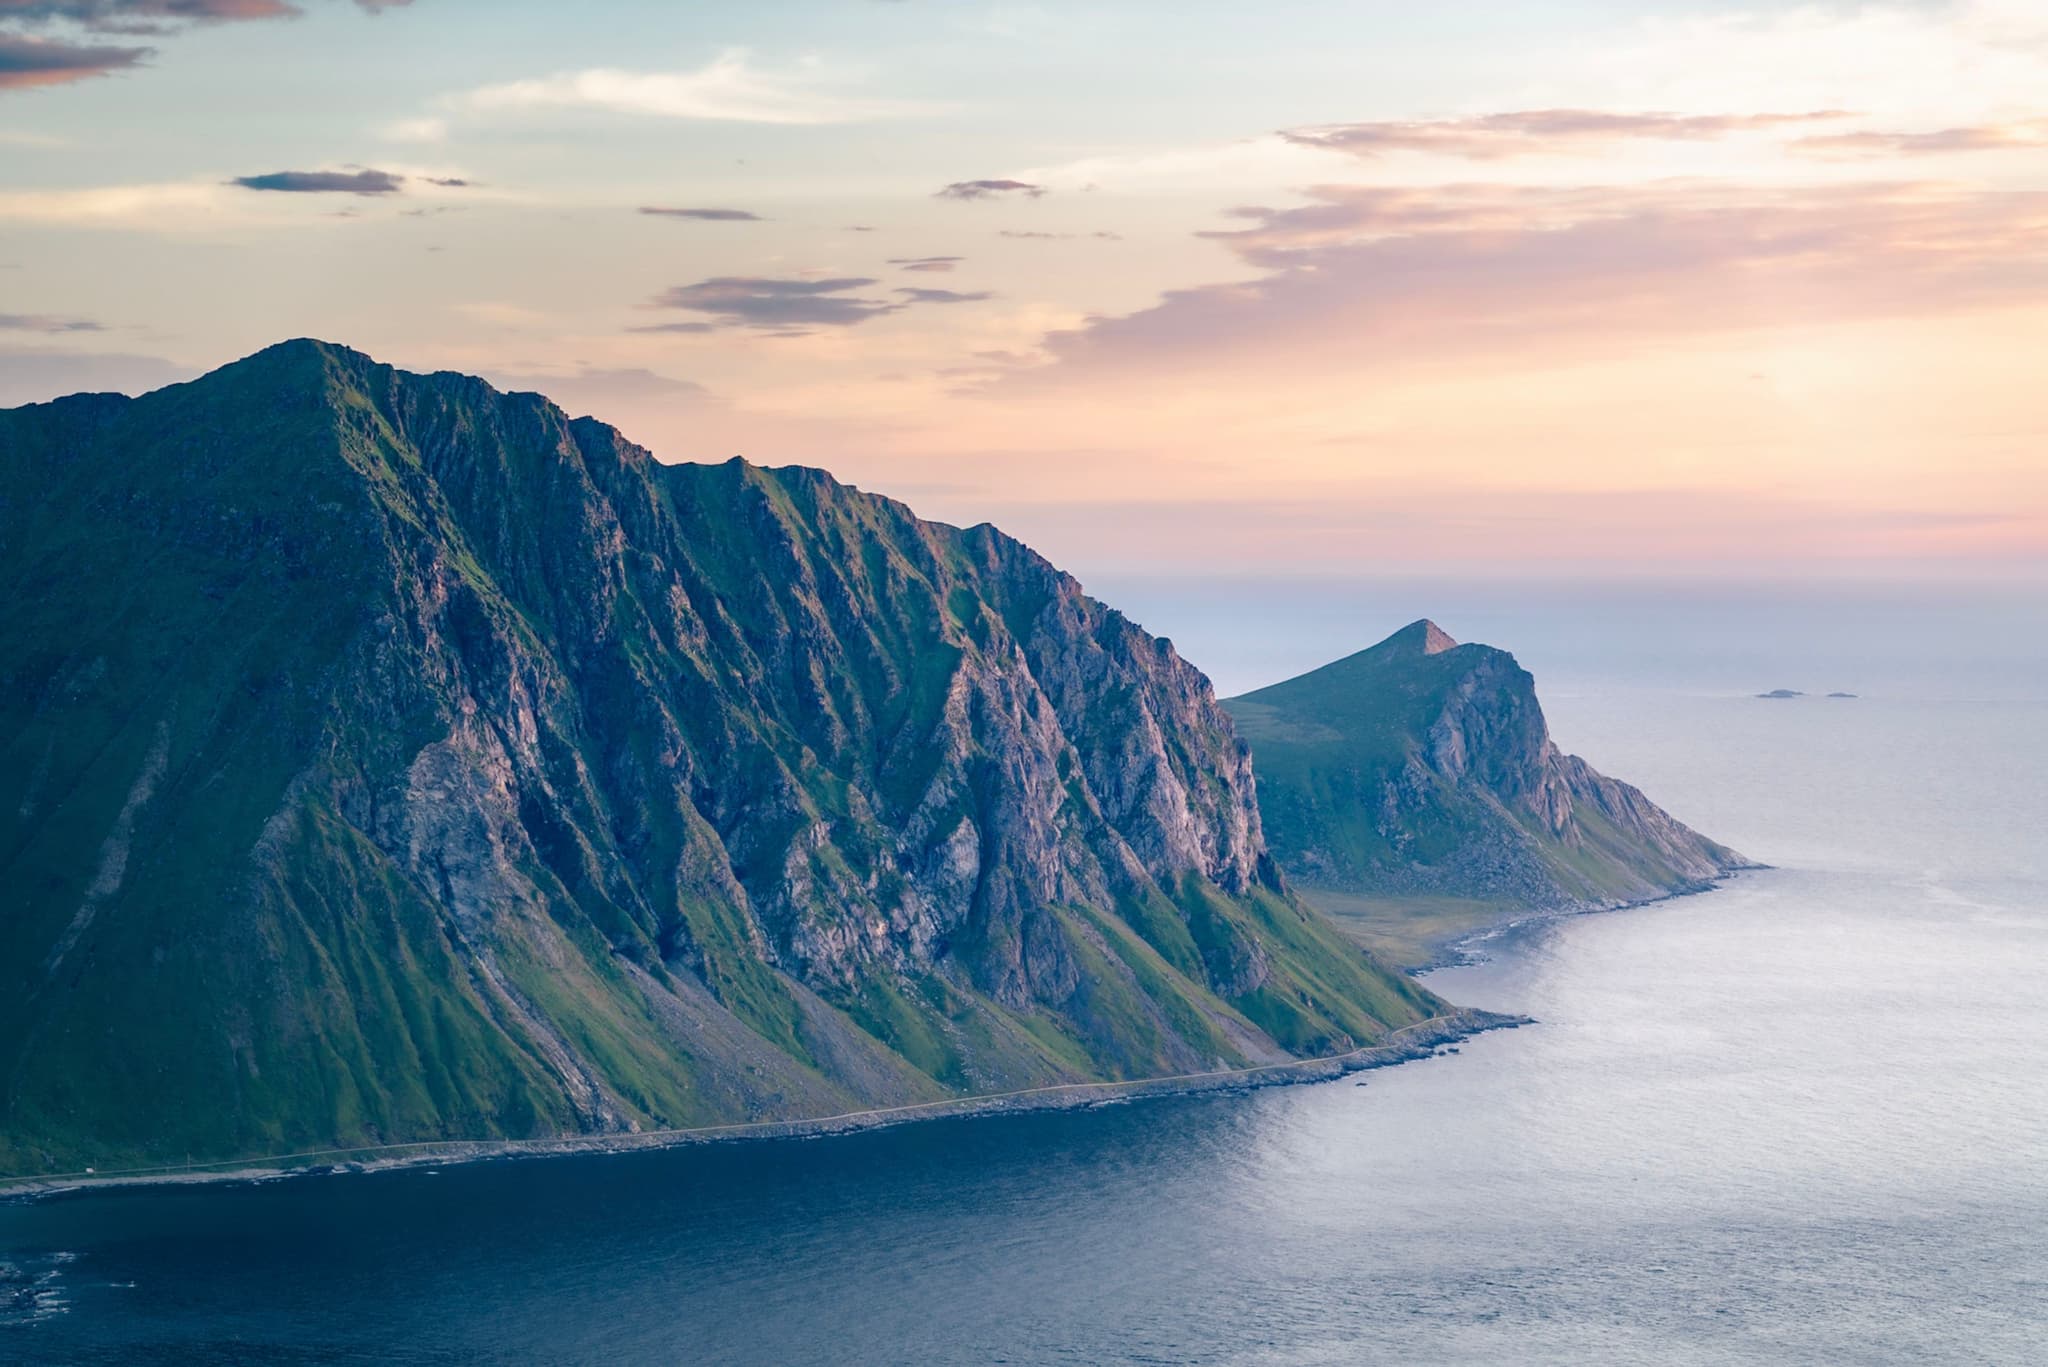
(1189, 288)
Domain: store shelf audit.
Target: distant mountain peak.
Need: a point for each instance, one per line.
(1420, 637)
(1435, 640)
(294, 349)
(1419, 767)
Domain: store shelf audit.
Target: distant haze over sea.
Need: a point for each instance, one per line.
(1948, 640)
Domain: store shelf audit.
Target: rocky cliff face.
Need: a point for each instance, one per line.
(385, 757)
(1422, 766)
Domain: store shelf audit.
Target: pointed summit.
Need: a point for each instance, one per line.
(477, 775)
(1420, 637)
(1435, 640)
(1420, 773)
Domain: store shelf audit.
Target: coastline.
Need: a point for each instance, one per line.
(1405, 1045)
(1462, 951)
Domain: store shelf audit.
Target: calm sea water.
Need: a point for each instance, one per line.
(1801, 1119)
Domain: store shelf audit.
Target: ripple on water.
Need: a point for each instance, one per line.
(32, 1287)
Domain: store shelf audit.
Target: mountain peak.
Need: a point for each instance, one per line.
(1392, 775)
(1422, 637)
(304, 348)
(1435, 640)
(676, 794)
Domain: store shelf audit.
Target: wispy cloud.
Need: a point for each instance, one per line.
(728, 89)
(1537, 132)
(1368, 275)
(159, 16)
(788, 307)
(359, 182)
(28, 62)
(989, 189)
(142, 16)
(778, 305)
(47, 323)
(1025, 235)
(705, 215)
(928, 296)
(276, 199)
(1992, 137)
(926, 263)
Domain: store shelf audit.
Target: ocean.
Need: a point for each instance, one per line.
(1798, 1119)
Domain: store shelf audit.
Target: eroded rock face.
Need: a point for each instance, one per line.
(516, 781)
(1057, 757)
(1063, 758)
(1425, 766)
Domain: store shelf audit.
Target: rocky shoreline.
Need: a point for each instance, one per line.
(1406, 1045)
(604, 793)
(1463, 951)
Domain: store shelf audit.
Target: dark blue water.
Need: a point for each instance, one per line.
(1801, 1119)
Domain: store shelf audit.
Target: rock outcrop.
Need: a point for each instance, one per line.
(1424, 767)
(383, 757)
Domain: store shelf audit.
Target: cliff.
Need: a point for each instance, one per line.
(1423, 770)
(384, 757)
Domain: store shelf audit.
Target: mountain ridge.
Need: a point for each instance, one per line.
(1422, 770)
(386, 757)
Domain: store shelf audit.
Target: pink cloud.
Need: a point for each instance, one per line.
(1365, 274)
(1537, 132)
(29, 62)
(1980, 138)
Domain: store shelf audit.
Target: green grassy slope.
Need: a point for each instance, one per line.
(386, 758)
(1417, 781)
